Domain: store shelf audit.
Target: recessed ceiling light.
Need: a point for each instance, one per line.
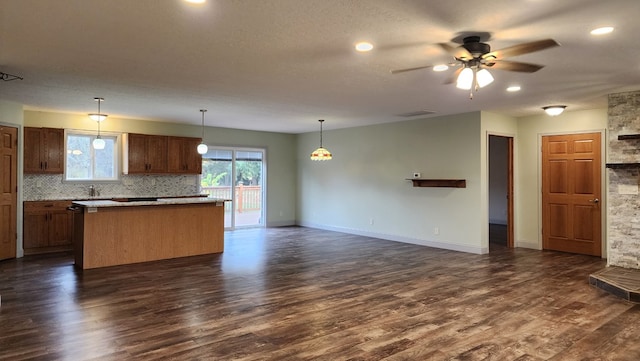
(440, 67)
(364, 46)
(602, 31)
(513, 88)
(196, 1)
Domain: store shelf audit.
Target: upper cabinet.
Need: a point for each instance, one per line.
(145, 154)
(159, 154)
(183, 156)
(43, 150)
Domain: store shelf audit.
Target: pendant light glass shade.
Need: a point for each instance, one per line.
(465, 79)
(98, 142)
(321, 153)
(202, 148)
(484, 78)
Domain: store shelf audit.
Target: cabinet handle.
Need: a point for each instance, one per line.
(45, 165)
(41, 165)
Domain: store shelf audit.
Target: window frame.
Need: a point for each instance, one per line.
(117, 156)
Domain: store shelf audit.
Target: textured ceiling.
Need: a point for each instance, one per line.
(280, 65)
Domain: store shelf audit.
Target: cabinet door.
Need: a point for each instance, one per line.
(192, 159)
(183, 156)
(174, 155)
(59, 228)
(43, 150)
(35, 233)
(53, 150)
(33, 150)
(137, 153)
(157, 154)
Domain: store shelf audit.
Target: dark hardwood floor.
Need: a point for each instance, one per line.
(307, 294)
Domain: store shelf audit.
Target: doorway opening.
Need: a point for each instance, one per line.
(237, 174)
(500, 192)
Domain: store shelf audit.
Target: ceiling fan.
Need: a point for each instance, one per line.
(474, 58)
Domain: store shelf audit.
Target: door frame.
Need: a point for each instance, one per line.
(263, 211)
(19, 184)
(603, 185)
(510, 186)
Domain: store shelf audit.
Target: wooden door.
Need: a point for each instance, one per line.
(571, 210)
(192, 159)
(9, 191)
(35, 230)
(59, 228)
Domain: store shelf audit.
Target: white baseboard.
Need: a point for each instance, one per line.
(528, 244)
(402, 239)
(281, 224)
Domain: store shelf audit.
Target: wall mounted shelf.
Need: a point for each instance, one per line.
(449, 183)
(623, 165)
(628, 136)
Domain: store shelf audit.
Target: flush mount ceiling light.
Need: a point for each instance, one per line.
(202, 148)
(196, 1)
(602, 31)
(321, 153)
(554, 110)
(98, 142)
(440, 67)
(513, 88)
(364, 46)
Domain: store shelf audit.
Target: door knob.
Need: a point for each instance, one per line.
(594, 200)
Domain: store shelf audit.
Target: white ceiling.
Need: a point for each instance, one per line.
(280, 65)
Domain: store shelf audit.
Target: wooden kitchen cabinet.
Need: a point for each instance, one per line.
(43, 150)
(183, 156)
(145, 154)
(48, 227)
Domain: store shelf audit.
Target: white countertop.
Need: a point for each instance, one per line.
(159, 202)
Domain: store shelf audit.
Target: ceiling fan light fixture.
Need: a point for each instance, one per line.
(484, 78)
(554, 110)
(465, 79)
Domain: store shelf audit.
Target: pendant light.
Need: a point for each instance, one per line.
(321, 153)
(202, 148)
(98, 142)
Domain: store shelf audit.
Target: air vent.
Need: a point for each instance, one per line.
(416, 113)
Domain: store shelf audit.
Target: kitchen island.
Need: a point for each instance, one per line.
(133, 230)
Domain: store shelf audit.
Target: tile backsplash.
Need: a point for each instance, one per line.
(46, 187)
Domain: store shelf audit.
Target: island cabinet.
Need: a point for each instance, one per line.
(43, 150)
(145, 154)
(48, 227)
(109, 233)
(183, 156)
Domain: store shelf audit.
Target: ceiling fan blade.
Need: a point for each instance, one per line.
(457, 52)
(410, 69)
(515, 66)
(521, 49)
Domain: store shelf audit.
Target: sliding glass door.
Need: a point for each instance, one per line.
(236, 174)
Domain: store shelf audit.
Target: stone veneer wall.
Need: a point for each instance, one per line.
(624, 208)
(47, 187)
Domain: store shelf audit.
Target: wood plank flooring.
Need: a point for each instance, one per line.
(306, 294)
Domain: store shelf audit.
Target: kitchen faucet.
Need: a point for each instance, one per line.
(93, 191)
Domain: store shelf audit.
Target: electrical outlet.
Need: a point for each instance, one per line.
(436, 230)
(371, 221)
(416, 175)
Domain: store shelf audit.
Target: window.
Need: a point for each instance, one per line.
(84, 163)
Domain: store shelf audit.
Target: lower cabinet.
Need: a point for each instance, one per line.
(48, 227)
